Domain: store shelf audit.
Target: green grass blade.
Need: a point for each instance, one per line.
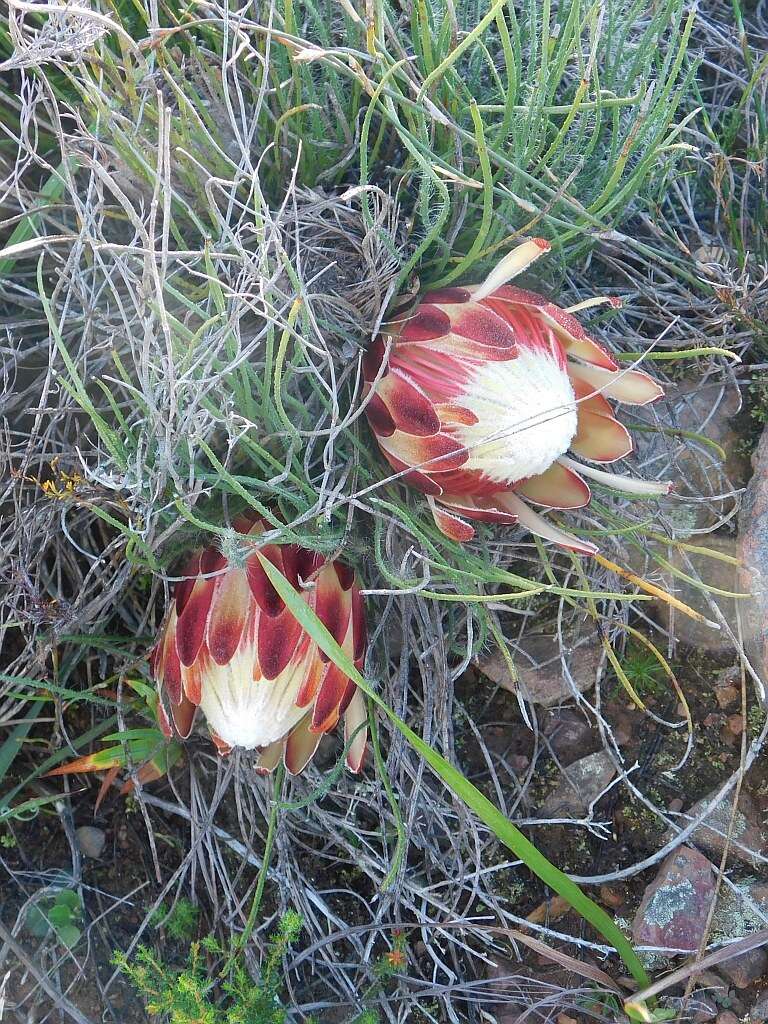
(25, 229)
(461, 786)
(12, 744)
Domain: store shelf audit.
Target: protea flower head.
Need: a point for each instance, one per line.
(486, 390)
(230, 646)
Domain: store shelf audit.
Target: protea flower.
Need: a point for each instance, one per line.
(486, 389)
(231, 647)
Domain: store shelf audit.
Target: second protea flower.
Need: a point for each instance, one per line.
(231, 647)
(486, 390)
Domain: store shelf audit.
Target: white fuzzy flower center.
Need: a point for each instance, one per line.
(526, 412)
(247, 713)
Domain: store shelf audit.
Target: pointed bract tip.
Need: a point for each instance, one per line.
(450, 525)
(223, 749)
(514, 263)
(355, 762)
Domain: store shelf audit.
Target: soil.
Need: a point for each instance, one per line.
(635, 832)
(126, 870)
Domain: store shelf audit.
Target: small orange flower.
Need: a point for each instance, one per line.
(395, 959)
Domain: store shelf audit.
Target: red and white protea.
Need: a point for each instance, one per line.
(486, 389)
(231, 647)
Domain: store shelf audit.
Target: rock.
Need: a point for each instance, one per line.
(91, 841)
(696, 1008)
(735, 725)
(740, 911)
(726, 695)
(512, 741)
(611, 897)
(713, 984)
(497, 738)
(715, 573)
(735, 1004)
(759, 1012)
(569, 733)
(753, 552)
(550, 910)
(746, 969)
(540, 670)
(504, 978)
(730, 676)
(728, 687)
(711, 411)
(703, 1008)
(580, 784)
(745, 832)
(673, 912)
(623, 731)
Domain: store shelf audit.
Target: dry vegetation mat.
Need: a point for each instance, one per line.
(211, 214)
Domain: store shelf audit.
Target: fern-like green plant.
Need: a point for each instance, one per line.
(180, 922)
(189, 996)
(644, 671)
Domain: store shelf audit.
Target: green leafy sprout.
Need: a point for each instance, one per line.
(186, 995)
(61, 914)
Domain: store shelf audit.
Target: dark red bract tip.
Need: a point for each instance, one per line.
(446, 296)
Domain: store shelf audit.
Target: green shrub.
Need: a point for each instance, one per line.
(180, 922)
(188, 996)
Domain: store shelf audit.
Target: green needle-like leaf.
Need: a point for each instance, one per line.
(461, 786)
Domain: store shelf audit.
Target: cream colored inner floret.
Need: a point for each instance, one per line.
(247, 713)
(526, 412)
